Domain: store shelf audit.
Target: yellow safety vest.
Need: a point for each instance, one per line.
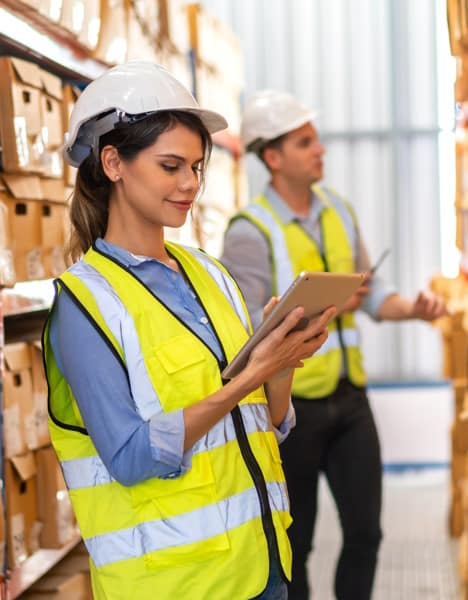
(292, 251)
(202, 535)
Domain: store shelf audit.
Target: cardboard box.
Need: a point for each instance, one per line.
(52, 9)
(89, 33)
(54, 214)
(72, 563)
(458, 467)
(21, 498)
(456, 513)
(24, 224)
(75, 563)
(175, 24)
(460, 434)
(39, 387)
(20, 115)
(148, 12)
(112, 44)
(2, 532)
(139, 40)
(463, 557)
(54, 509)
(34, 4)
(459, 392)
(52, 124)
(18, 408)
(59, 587)
(72, 16)
(7, 267)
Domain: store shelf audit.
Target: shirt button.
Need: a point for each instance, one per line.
(204, 320)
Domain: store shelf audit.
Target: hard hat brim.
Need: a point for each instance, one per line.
(256, 144)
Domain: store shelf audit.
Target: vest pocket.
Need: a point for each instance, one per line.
(185, 514)
(178, 369)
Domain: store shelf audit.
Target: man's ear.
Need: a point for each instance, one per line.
(111, 163)
(272, 157)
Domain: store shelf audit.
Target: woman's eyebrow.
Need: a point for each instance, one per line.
(177, 157)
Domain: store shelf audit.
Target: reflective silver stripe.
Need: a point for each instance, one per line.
(329, 196)
(85, 472)
(283, 266)
(122, 326)
(350, 339)
(91, 471)
(188, 528)
(224, 282)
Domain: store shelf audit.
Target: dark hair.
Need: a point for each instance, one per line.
(89, 208)
(275, 144)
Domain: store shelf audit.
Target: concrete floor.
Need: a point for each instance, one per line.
(417, 560)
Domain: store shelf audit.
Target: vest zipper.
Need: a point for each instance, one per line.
(260, 486)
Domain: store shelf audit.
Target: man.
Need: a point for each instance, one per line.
(300, 225)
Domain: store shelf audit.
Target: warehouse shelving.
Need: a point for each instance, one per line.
(29, 34)
(34, 567)
(26, 33)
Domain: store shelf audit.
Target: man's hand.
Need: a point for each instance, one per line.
(355, 301)
(428, 307)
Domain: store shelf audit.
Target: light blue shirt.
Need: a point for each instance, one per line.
(131, 448)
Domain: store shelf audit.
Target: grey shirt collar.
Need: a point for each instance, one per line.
(289, 216)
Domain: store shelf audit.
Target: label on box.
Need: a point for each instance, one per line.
(7, 269)
(21, 137)
(18, 538)
(58, 262)
(12, 432)
(30, 431)
(35, 268)
(40, 416)
(38, 148)
(65, 518)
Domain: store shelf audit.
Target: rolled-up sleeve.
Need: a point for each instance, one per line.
(167, 435)
(289, 422)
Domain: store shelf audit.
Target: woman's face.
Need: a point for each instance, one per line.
(159, 186)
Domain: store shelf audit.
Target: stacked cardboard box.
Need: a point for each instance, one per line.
(32, 189)
(38, 509)
(454, 330)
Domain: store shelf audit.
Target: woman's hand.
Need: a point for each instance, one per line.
(284, 348)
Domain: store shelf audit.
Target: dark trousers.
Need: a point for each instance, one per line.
(336, 435)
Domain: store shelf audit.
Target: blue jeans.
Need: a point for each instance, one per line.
(276, 588)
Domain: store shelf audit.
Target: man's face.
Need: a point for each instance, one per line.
(300, 156)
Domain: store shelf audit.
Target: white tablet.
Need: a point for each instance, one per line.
(315, 292)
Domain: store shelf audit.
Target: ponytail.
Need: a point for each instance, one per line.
(89, 207)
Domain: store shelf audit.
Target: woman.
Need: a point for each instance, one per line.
(174, 475)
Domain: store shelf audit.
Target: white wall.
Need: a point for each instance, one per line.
(413, 423)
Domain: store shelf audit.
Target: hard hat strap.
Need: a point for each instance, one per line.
(91, 132)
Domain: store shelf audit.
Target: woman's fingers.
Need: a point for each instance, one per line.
(270, 305)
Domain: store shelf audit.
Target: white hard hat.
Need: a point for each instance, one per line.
(127, 93)
(268, 115)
